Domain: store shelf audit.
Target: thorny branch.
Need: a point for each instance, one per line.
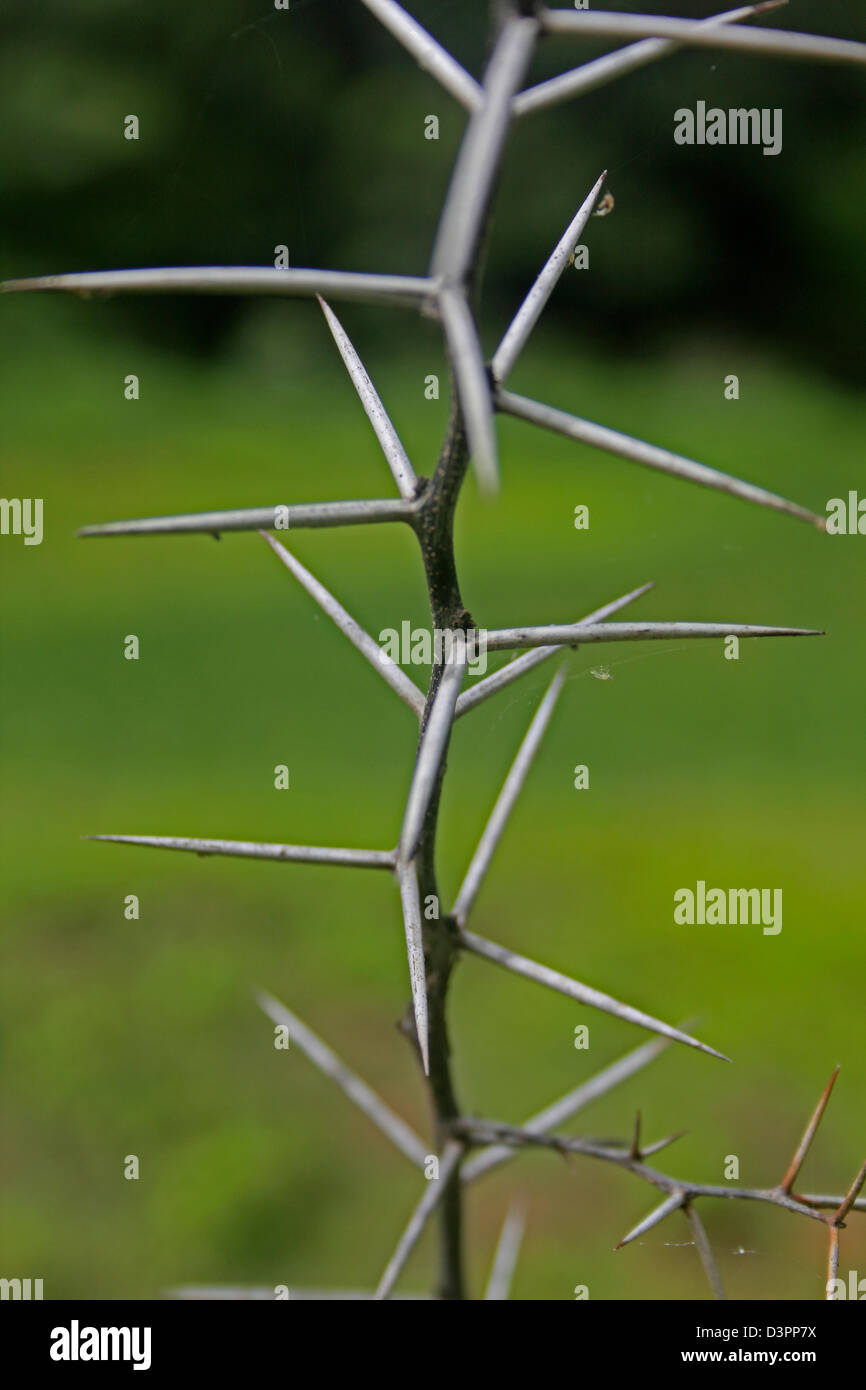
(427, 506)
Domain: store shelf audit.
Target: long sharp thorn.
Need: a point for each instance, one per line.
(705, 1251)
(427, 52)
(584, 994)
(374, 654)
(808, 1135)
(431, 753)
(278, 517)
(850, 1197)
(478, 162)
(603, 70)
(521, 664)
(658, 1214)
(256, 849)
(575, 634)
(432, 1197)
(568, 1106)
(506, 799)
(251, 1293)
(366, 1099)
(506, 1256)
(392, 447)
(650, 455)
(530, 310)
(472, 385)
(777, 43)
(407, 290)
(415, 955)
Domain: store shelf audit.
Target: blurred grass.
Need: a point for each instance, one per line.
(140, 1037)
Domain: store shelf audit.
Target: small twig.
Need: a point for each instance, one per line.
(362, 1095)
(478, 1131)
(823, 1201)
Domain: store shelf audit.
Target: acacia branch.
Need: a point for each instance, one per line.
(483, 1132)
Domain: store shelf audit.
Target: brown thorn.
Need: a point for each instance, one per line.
(850, 1198)
(808, 1135)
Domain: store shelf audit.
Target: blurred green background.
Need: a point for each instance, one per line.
(141, 1037)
